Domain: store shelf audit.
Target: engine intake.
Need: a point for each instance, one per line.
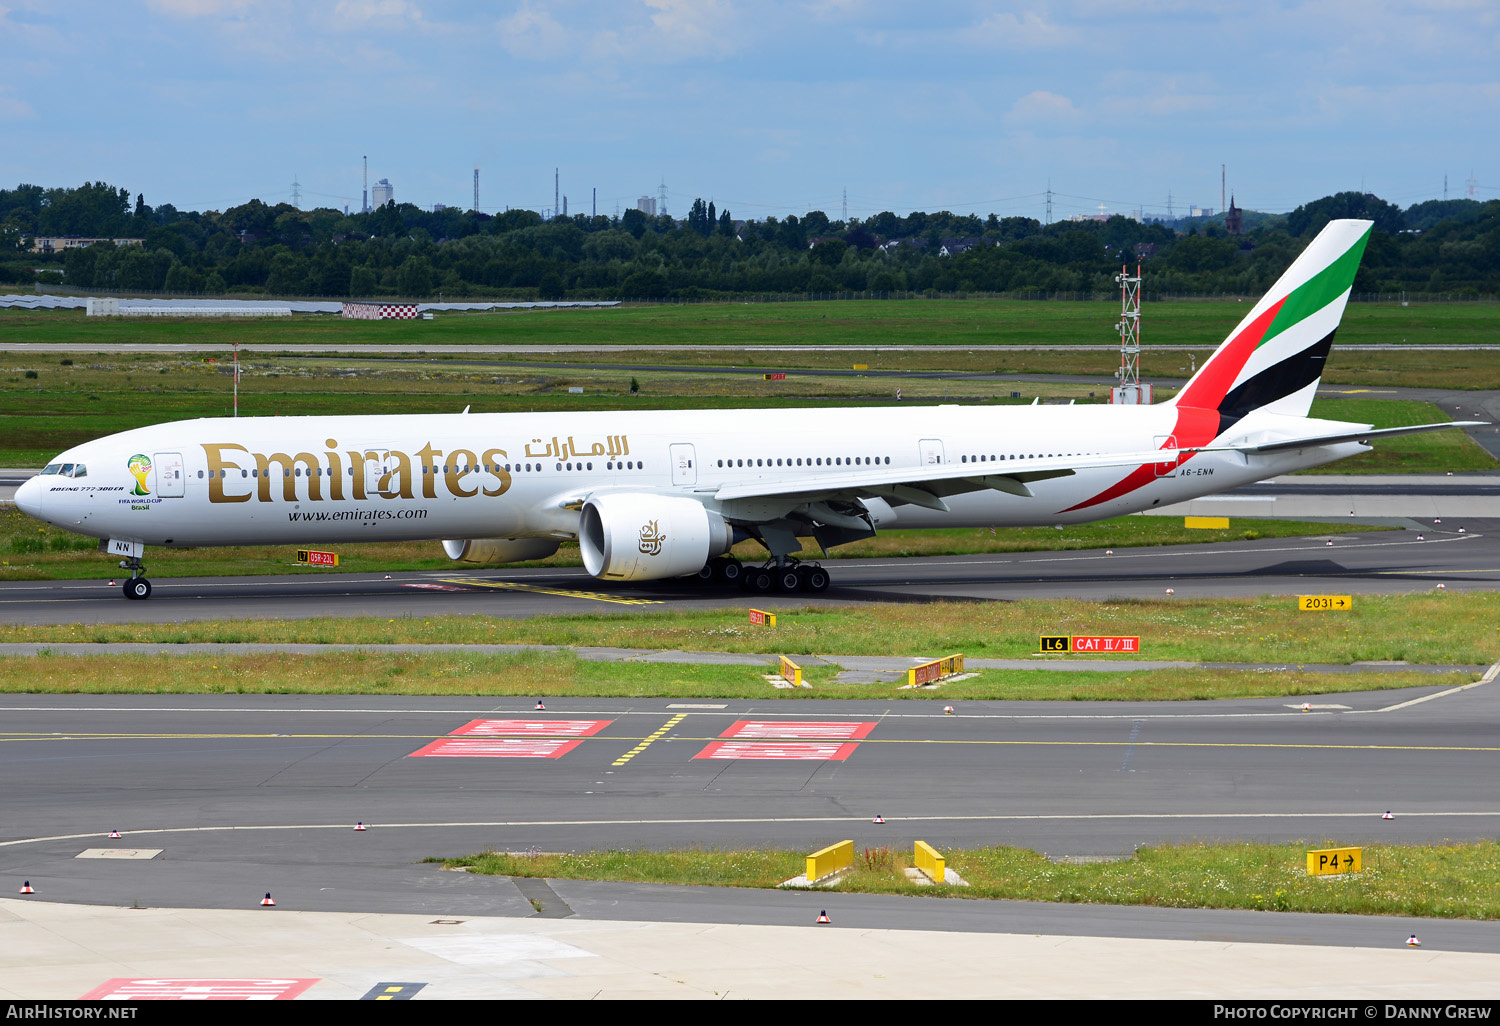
(499, 550)
(639, 537)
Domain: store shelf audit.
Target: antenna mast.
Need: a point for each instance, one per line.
(476, 188)
(364, 202)
(1130, 390)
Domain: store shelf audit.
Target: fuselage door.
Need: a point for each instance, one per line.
(378, 469)
(170, 480)
(1168, 469)
(684, 464)
(932, 451)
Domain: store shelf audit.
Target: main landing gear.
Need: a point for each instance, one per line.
(791, 575)
(137, 587)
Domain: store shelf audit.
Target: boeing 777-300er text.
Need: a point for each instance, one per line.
(659, 494)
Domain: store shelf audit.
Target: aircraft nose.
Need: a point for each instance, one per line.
(29, 497)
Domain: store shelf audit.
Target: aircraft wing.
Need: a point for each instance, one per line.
(1282, 445)
(926, 485)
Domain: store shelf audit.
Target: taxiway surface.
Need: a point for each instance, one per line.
(1381, 562)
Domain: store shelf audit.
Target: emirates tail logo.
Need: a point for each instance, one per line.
(651, 538)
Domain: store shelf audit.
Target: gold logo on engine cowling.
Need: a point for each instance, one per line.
(651, 538)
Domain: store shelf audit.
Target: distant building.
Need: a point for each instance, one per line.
(382, 192)
(1145, 250)
(646, 205)
(953, 247)
(1234, 220)
(1200, 211)
(58, 243)
(438, 208)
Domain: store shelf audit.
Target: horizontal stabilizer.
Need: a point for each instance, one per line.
(1354, 436)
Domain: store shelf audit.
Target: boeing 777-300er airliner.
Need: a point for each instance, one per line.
(659, 494)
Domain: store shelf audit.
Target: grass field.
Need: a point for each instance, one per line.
(853, 322)
(564, 675)
(1452, 881)
(1433, 628)
(65, 403)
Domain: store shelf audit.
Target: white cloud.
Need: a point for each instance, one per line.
(197, 8)
(1042, 107)
(12, 109)
(384, 11)
(533, 33)
(1026, 31)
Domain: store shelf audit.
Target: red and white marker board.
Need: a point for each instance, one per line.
(780, 751)
(531, 728)
(121, 989)
(497, 748)
(749, 729)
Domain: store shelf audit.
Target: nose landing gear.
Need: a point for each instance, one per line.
(137, 587)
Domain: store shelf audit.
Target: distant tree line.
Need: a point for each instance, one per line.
(1448, 247)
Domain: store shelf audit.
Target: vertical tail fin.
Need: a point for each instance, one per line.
(1275, 357)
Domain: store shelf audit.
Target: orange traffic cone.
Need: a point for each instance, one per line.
(1387, 815)
(823, 917)
(114, 833)
(267, 900)
(1412, 942)
(26, 888)
(360, 825)
(879, 818)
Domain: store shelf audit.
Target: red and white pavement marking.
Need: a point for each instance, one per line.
(755, 729)
(434, 587)
(531, 728)
(797, 751)
(197, 990)
(497, 748)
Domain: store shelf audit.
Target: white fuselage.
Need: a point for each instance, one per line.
(380, 478)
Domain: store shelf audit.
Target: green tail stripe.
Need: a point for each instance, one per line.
(1319, 290)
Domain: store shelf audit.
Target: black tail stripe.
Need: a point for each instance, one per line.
(1275, 382)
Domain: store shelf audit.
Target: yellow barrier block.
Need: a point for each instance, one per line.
(790, 672)
(830, 860)
(861, 366)
(761, 618)
(930, 862)
(1325, 603)
(926, 673)
(1205, 523)
(1330, 861)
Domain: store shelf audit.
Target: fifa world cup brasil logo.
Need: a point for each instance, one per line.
(140, 466)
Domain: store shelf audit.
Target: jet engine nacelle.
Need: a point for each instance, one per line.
(499, 550)
(638, 537)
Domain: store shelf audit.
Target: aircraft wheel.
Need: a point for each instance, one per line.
(759, 581)
(814, 578)
(730, 571)
(708, 573)
(788, 579)
(137, 588)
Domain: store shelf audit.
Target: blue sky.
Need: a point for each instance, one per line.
(768, 107)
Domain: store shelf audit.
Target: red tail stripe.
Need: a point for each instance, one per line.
(1193, 427)
(1213, 383)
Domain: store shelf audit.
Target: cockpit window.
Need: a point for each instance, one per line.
(67, 470)
(80, 470)
(51, 468)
